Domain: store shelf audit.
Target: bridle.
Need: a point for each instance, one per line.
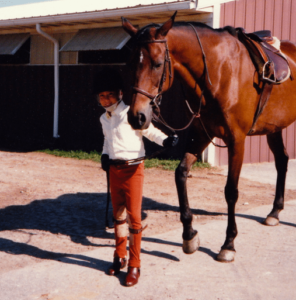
(156, 99)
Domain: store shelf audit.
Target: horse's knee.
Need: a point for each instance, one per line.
(181, 173)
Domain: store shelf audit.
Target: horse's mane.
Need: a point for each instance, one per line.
(231, 30)
(143, 33)
(196, 24)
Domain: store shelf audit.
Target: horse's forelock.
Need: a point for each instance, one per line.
(144, 33)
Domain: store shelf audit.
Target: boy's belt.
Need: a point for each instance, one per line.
(118, 162)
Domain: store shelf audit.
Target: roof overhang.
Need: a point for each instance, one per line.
(103, 16)
(139, 14)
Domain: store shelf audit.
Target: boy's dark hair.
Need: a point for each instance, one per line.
(107, 80)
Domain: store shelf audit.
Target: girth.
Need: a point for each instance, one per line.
(271, 65)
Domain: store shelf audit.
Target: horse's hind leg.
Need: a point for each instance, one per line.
(190, 236)
(276, 145)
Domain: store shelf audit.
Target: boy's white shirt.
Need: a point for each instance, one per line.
(121, 141)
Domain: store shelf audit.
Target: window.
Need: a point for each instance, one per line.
(15, 49)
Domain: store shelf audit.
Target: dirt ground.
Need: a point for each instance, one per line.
(52, 206)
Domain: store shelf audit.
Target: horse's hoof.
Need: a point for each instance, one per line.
(271, 221)
(226, 256)
(192, 245)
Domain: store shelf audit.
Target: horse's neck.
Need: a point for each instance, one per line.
(220, 49)
(187, 55)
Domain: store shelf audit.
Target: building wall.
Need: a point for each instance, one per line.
(42, 50)
(279, 17)
(26, 106)
(27, 102)
(26, 118)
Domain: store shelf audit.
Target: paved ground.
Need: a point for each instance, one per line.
(265, 173)
(264, 267)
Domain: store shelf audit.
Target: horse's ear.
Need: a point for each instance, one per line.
(128, 27)
(164, 29)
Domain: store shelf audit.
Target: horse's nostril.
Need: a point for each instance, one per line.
(141, 119)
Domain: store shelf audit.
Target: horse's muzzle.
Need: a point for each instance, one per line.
(138, 121)
(141, 119)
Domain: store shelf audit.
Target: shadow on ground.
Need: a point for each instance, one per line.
(80, 216)
(16, 248)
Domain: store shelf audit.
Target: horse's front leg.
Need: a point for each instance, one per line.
(235, 157)
(190, 236)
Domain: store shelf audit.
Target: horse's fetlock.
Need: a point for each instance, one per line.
(280, 206)
(189, 234)
(229, 247)
(231, 234)
(186, 218)
(278, 203)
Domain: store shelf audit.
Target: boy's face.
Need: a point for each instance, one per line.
(108, 98)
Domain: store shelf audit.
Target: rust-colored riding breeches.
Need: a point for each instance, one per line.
(126, 183)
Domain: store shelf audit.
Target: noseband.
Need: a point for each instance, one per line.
(156, 99)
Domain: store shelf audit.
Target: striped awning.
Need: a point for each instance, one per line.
(97, 39)
(11, 43)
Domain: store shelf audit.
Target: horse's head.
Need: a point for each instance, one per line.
(151, 68)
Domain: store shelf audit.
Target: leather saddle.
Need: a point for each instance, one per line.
(271, 65)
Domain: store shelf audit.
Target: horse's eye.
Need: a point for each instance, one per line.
(157, 65)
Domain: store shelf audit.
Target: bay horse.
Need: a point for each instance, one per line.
(218, 75)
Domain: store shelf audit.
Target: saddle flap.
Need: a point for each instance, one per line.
(269, 62)
(281, 67)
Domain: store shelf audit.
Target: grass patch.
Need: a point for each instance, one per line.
(166, 164)
(171, 164)
(78, 154)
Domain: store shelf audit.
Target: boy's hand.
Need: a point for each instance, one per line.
(105, 162)
(171, 141)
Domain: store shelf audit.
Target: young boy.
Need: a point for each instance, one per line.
(122, 142)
